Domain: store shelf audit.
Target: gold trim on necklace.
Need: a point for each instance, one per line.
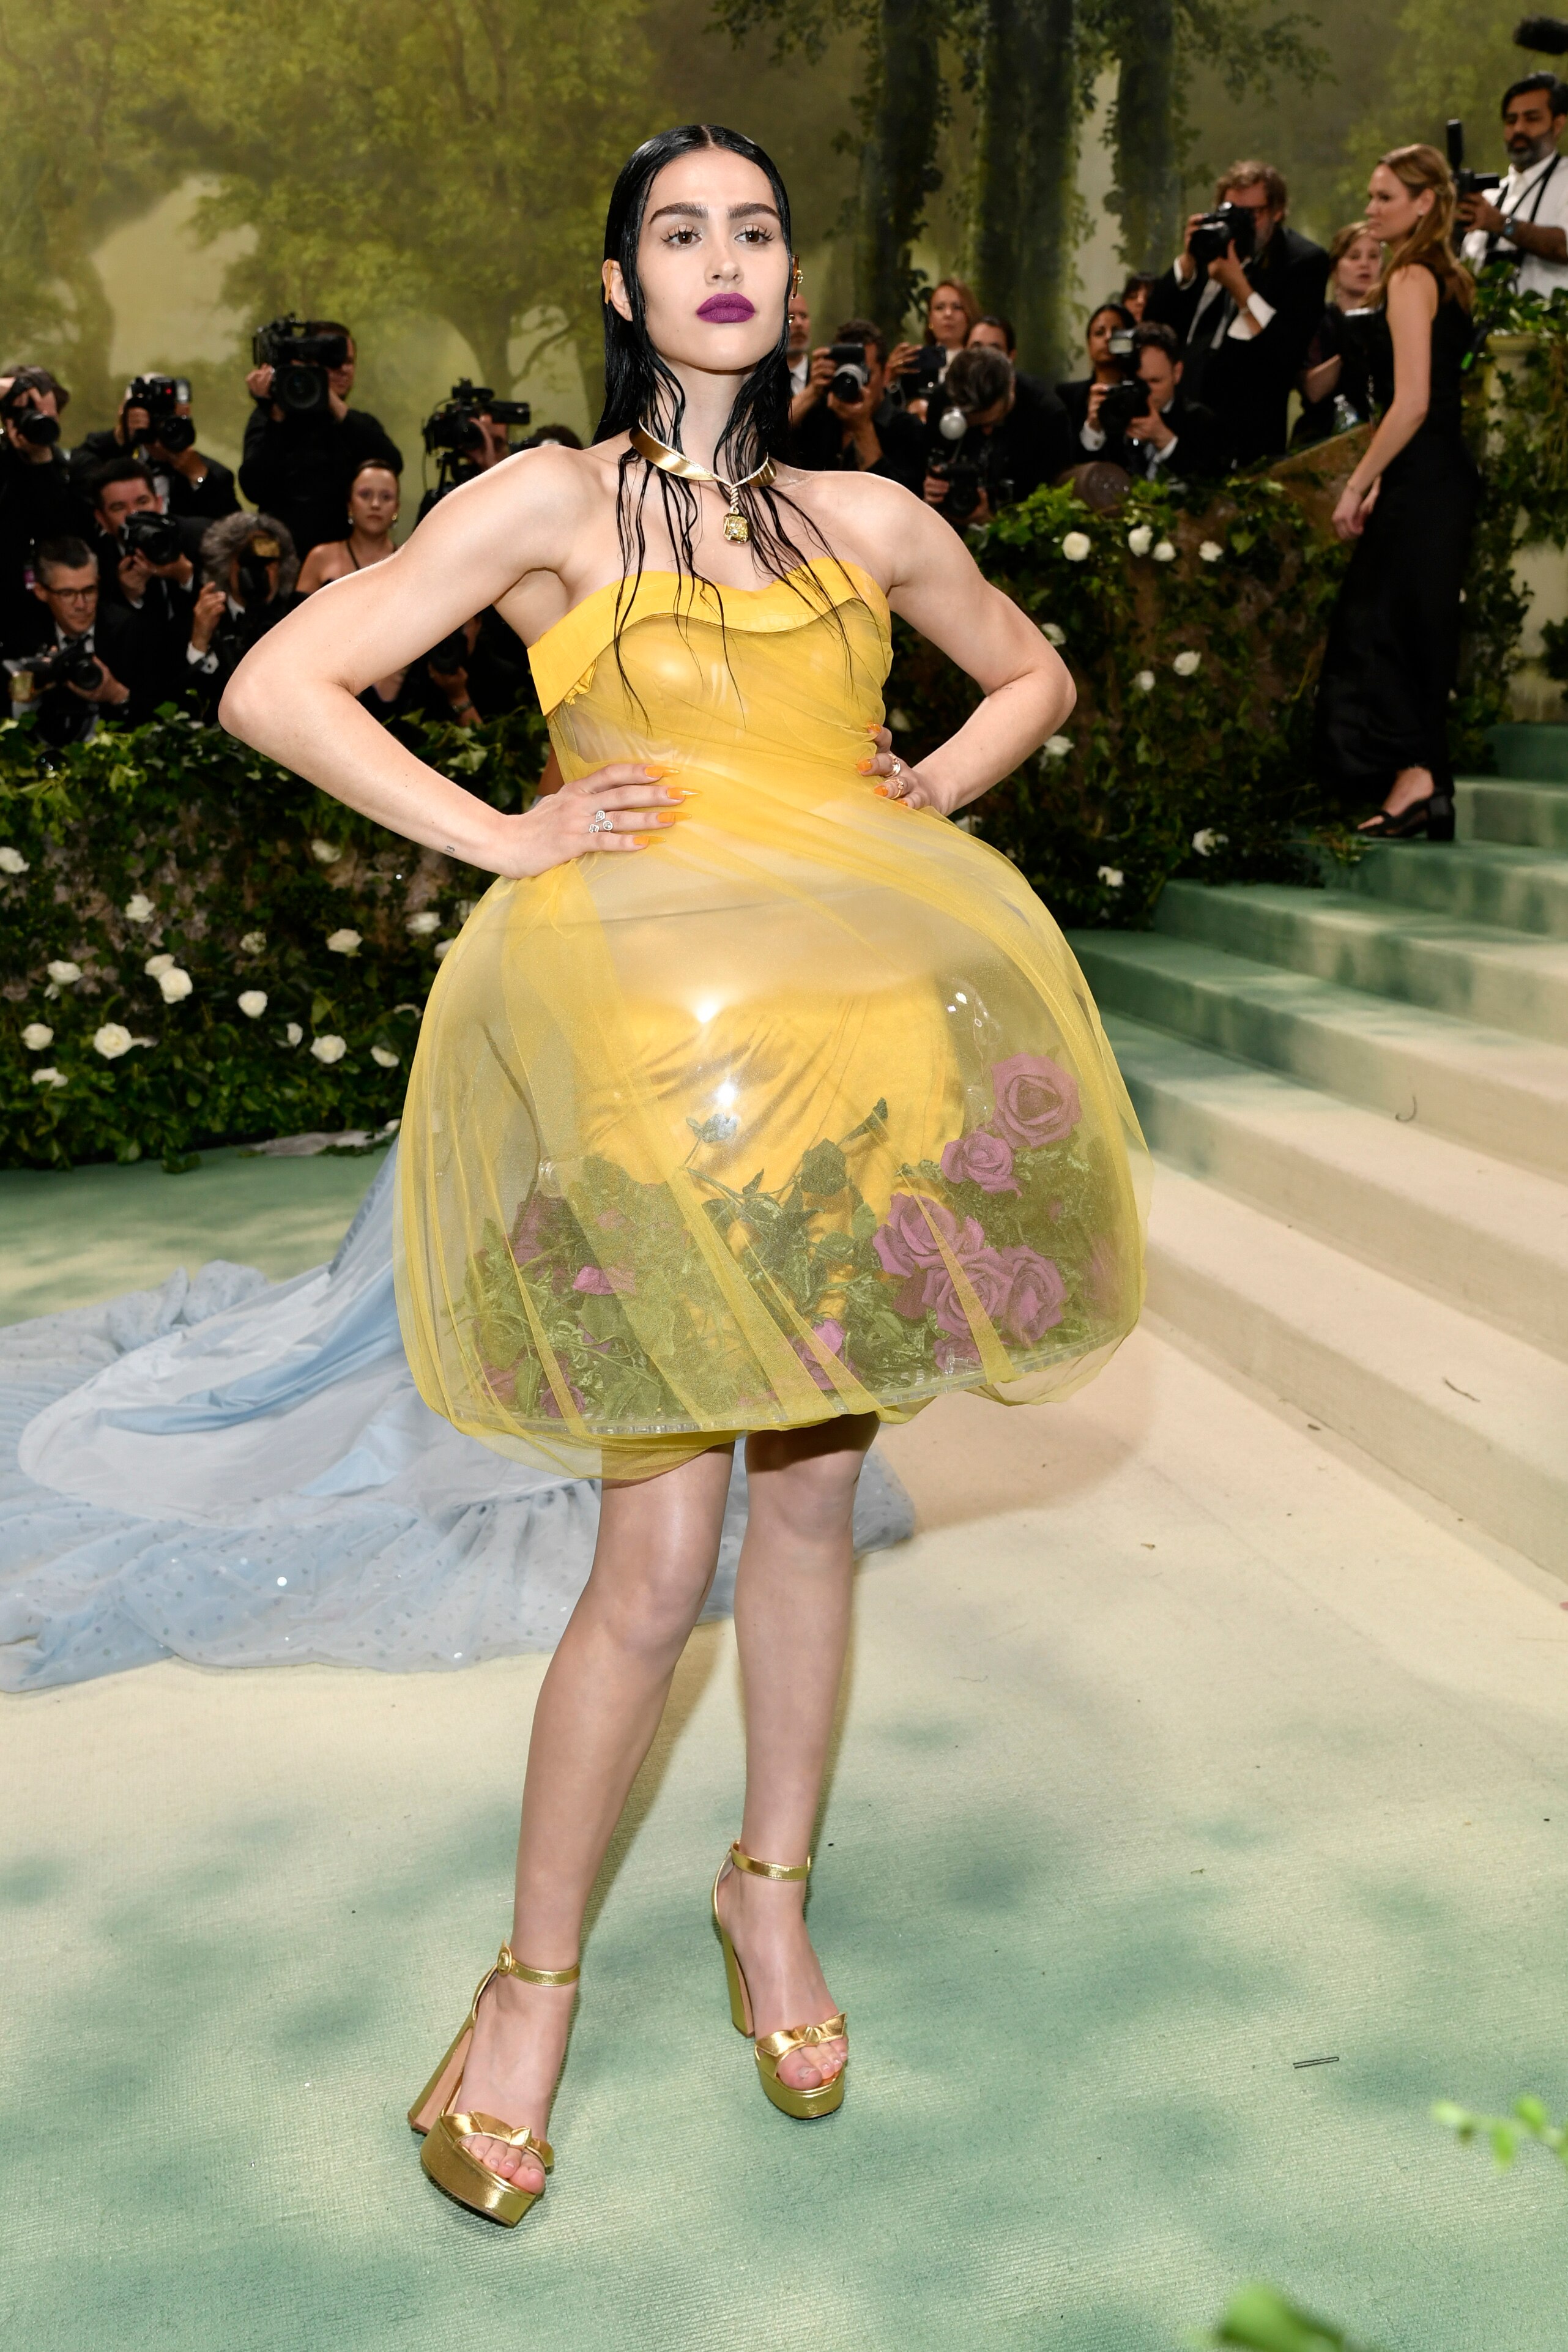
(674, 461)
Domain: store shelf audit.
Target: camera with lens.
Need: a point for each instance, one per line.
(1468, 184)
(260, 551)
(299, 363)
(161, 396)
(449, 655)
(20, 406)
(454, 427)
(1214, 235)
(1129, 399)
(851, 372)
(70, 664)
(154, 537)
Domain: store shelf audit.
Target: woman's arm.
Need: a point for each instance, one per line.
(937, 587)
(1317, 383)
(1412, 304)
(293, 697)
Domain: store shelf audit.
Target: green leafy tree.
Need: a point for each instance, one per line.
(1022, 63)
(1442, 63)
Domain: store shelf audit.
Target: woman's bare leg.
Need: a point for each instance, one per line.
(791, 1622)
(1410, 785)
(599, 1707)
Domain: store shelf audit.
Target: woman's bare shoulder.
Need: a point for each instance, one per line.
(864, 518)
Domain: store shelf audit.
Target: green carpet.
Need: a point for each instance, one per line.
(68, 1239)
(1176, 1750)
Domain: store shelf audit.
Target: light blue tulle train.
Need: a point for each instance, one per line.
(241, 1473)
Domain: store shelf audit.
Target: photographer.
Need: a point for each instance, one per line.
(145, 564)
(468, 433)
(1034, 397)
(1527, 219)
(846, 426)
(984, 449)
(1244, 296)
(248, 572)
(154, 424)
(1107, 319)
(1147, 425)
(75, 660)
(304, 443)
(37, 500)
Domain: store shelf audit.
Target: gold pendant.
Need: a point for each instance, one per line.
(735, 526)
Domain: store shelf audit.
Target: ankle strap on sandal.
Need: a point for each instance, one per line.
(768, 1869)
(509, 1965)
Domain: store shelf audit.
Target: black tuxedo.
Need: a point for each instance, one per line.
(298, 470)
(36, 502)
(820, 444)
(119, 641)
(1199, 455)
(209, 499)
(1246, 381)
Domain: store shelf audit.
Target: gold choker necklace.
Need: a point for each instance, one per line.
(671, 461)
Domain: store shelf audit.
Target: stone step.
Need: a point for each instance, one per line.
(1488, 1238)
(1505, 809)
(1470, 1413)
(1534, 748)
(1505, 1095)
(1521, 889)
(1508, 980)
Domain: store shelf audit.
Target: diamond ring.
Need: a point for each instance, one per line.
(602, 822)
(896, 785)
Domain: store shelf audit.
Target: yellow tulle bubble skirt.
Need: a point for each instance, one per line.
(803, 1111)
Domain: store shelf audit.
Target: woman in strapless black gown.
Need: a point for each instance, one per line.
(1410, 505)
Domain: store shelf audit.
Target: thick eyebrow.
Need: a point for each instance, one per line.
(700, 212)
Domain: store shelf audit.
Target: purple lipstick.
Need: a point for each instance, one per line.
(726, 309)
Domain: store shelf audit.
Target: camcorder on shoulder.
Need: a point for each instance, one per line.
(161, 396)
(455, 425)
(1213, 235)
(851, 372)
(20, 404)
(1129, 399)
(1469, 184)
(155, 538)
(299, 363)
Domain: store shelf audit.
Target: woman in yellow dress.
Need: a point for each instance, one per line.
(756, 1099)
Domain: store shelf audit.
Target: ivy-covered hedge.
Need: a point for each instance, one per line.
(1192, 625)
(196, 948)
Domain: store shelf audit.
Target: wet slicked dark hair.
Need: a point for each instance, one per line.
(639, 389)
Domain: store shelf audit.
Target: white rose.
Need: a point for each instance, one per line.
(293, 1033)
(1052, 634)
(252, 1002)
(175, 983)
(424, 923)
(1185, 664)
(253, 942)
(1207, 840)
(1210, 552)
(465, 908)
(50, 1079)
(900, 721)
(157, 964)
(385, 1056)
(36, 1035)
(343, 943)
(139, 907)
(1164, 553)
(1141, 539)
(329, 1048)
(1057, 747)
(1076, 546)
(441, 946)
(111, 1041)
(328, 852)
(1112, 876)
(63, 973)
(12, 861)
(1145, 681)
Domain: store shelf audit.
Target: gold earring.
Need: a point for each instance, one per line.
(795, 282)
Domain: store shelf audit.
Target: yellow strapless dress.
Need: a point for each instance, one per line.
(804, 1111)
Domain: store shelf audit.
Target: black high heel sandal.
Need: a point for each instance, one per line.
(1431, 817)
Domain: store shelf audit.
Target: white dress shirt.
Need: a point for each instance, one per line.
(1538, 194)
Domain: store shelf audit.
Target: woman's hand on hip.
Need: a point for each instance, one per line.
(897, 780)
(616, 808)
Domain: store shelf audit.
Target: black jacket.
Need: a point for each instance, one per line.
(1034, 444)
(1248, 381)
(121, 643)
(818, 444)
(209, 499)
(1199, 454)
(36, 502)
(299, 470)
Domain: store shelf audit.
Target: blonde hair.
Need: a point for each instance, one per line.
(1429, 243)
(1345, 239)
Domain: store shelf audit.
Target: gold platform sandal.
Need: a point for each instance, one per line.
(444, 2155)
(770, 2047)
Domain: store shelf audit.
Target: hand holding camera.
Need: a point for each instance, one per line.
(1218, 242)
(208, 610)
(31, 426)
(293, 368)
